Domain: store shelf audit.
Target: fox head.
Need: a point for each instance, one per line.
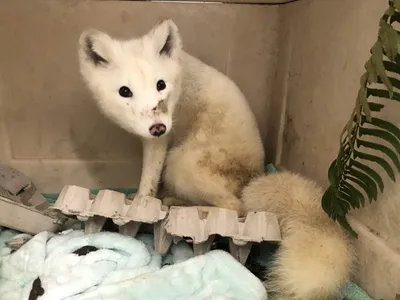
(136, 83)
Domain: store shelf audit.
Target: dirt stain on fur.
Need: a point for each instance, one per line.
(162, 107)
(235, 170)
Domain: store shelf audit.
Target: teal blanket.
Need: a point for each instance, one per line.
(108, 265)
(119, 267)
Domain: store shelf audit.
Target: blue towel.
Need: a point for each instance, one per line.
(75, 266)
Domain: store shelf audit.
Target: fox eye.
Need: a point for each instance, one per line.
(125, 92)
(161, 85)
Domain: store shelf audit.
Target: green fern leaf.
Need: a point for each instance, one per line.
(377, 61)
(379, 160)
(369, 171)
(384, 125)
(396, 4)
(383, 134)
(332, 173)
(352, 182)
(361, 184)
(352, 191)
(362, 99)
(375, 107)
(391, 67)
(345, 224)
(382, 94)
(389, 12)
(369, 185)
(394, 82)
(397, 60)
(338, 208)
(347, 201)
(372, 75)
(395, 17)
(382, 148)
(332, 207)
(344, 151)
(389, 39)
(327, 202)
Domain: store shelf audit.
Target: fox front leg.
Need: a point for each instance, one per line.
(154, 153)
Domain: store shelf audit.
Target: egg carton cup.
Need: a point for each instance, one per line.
(199, 224)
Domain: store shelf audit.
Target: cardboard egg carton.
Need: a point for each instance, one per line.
(22, 206)
(202, 224)
(95, 209)
(199, 224)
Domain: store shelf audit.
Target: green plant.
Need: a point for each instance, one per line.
(352, 181)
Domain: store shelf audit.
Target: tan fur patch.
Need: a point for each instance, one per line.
(184, 127)
(234, 169)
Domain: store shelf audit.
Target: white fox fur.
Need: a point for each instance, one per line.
(315, 257)
(214, 142)
(210, 149)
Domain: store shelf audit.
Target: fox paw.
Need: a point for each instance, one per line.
(172, 201)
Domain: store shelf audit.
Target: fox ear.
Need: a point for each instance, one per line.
(95, 47)
(167, 40)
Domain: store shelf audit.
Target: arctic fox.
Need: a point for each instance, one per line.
(315, 257)
(201, 140)
(197, 129)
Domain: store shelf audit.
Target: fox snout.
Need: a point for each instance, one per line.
(157, 129)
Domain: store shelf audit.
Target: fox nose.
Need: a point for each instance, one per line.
(157, 129)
